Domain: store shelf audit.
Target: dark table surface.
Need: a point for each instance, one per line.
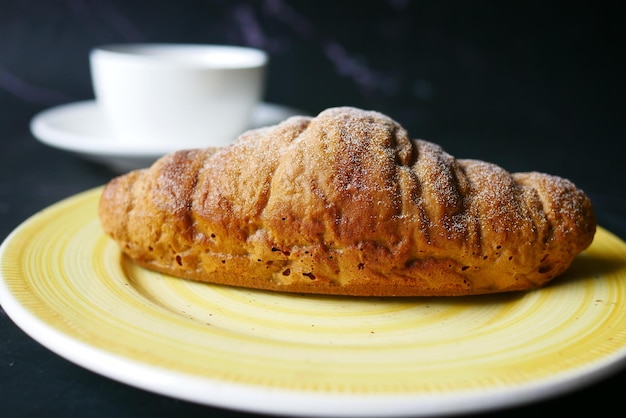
(529, 87)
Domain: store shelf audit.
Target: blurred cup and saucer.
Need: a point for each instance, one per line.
(152, 99)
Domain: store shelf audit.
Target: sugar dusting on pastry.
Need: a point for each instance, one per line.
(346, 203)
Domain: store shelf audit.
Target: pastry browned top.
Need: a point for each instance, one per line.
(346, 203)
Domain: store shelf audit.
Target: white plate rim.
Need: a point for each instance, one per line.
(229, 395)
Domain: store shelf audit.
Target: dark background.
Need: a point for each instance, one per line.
(527, 85)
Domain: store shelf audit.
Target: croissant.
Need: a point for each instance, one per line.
(346, 203)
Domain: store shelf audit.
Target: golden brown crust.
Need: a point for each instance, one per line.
(345, 203)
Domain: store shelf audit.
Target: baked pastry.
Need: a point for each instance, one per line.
(346, 203)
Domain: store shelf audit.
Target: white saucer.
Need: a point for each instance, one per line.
(81, 128)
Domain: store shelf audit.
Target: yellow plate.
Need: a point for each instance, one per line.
(67, 285)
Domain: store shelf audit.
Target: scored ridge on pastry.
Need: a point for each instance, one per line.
(346, 203)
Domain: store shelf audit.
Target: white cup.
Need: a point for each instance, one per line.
(172, 96)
